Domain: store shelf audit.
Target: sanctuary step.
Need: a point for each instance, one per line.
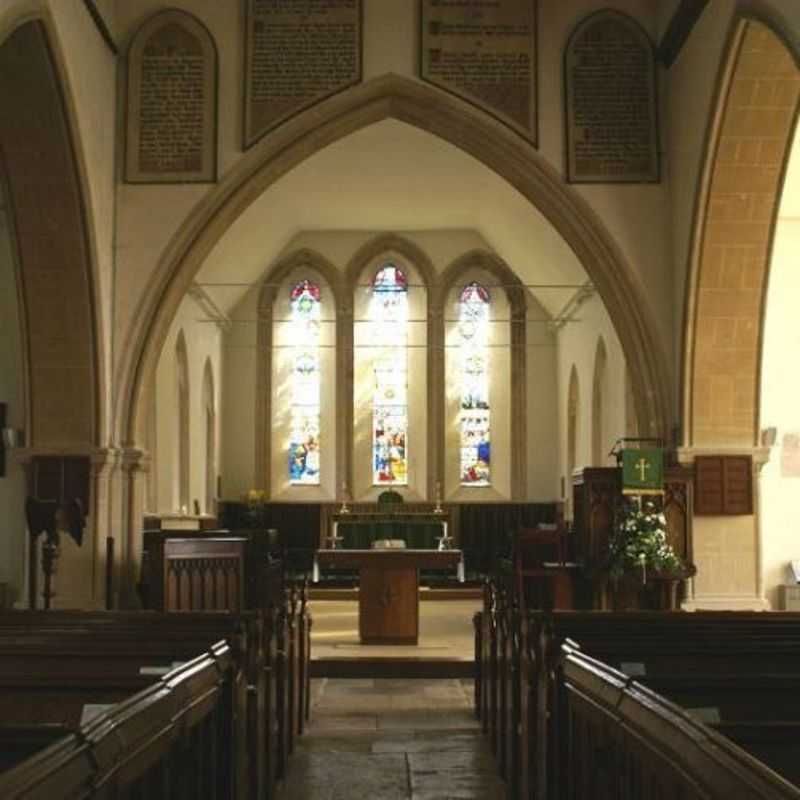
(394, 740)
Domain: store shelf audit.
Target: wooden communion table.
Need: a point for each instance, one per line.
(388, 596)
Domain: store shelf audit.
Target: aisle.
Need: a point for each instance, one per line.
(384, 739)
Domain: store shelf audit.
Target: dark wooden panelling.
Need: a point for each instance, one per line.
(723, 485)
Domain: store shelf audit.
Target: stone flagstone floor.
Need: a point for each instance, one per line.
(381, 739)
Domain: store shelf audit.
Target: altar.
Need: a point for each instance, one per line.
(388, 597)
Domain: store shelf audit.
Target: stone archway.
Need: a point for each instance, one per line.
(464, 127)
(55, 271)
(738, 201)
(458, 123)
(745, 167)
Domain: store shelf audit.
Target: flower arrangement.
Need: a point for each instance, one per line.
(640, 541)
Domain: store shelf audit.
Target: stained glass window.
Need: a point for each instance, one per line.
(304, 302)
(473, 337)
(388, 315)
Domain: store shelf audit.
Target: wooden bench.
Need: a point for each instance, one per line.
(624, 741)
(175, 739)
(687, 657)
(53, 664)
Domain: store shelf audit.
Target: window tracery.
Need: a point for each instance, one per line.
(388, 315)
(473, 334)
(304, 454)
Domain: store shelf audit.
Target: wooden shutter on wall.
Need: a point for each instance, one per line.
(723, 485)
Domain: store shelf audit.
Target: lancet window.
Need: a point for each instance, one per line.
(304, 456)
(473, 340)
(388, 316)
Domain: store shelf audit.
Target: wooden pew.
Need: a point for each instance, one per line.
(175, 739)
(18, 742)
(53, 663)
(625, 742)
(687, 657)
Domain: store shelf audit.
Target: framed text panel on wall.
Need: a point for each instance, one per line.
(611, 102)
(172, 102)
(297, 53)
(486, 54)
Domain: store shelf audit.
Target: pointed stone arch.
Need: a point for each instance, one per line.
(465, 127)
(41, 168)
(740, 192)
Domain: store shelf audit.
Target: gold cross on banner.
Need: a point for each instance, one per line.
(642, 465)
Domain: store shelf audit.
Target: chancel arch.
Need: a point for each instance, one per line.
(453, 121)
(395, 102)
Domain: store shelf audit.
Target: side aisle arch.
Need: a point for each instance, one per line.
(741, 191)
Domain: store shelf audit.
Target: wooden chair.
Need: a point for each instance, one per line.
(541, 575)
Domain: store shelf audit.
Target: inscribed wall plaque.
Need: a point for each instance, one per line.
(172, 102)
(485, 52)
(610, 79)
(298, 53)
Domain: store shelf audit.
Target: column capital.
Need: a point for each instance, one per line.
(759, 453)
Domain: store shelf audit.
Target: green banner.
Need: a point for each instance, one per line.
(643, 471)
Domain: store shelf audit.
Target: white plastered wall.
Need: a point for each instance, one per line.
(577, 345)
(203, 342)
(780, 389)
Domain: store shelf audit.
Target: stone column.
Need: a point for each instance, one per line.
(344, 394)
(134, 464)
(103, 465)
(727, 549)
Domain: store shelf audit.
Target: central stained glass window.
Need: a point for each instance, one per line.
(305, 306)
(473, 337)
(388, 316)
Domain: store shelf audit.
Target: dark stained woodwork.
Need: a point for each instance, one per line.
(743, 665)
(388, 604)
(723, 485)
(597, 502)
(201, 571)
(204, 574)
(179, 738)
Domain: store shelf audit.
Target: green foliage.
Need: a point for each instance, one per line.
(640, 540)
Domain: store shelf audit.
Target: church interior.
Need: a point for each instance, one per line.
(429, 358)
